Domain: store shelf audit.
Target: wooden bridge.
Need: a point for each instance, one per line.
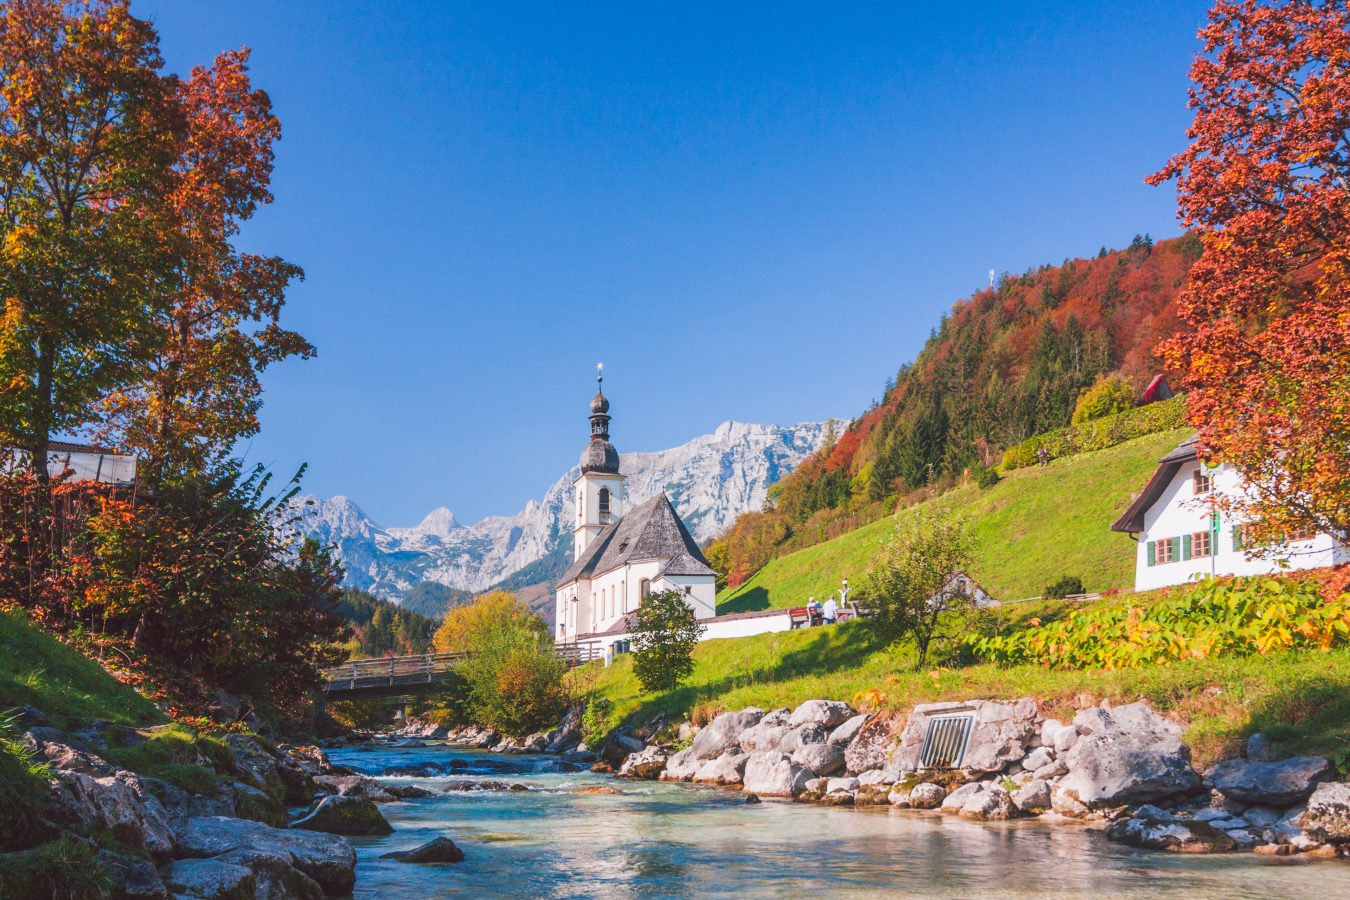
(396, 676)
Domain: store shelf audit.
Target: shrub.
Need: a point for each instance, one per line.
(66, 868)
(664, 637)
(514, 675)
(1069, 584)
(987, 477)
(1110, 394)
(1218, 617)
(1099, 434)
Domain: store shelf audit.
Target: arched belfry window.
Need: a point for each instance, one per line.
(604, 505)
(644, 588)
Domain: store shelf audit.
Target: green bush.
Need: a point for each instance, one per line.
(1069, 584)
(1099, 434)
(66, 869)
(1110, 394)
(515, 678)
(664, 638)
(987, 477)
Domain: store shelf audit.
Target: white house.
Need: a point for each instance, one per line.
(619, 555)
(82, 462)
(1182, 536)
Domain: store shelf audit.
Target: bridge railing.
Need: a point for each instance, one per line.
(427, 668)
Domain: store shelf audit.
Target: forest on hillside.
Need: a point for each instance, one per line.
(1006, 363)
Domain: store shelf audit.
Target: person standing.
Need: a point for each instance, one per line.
(831, 610)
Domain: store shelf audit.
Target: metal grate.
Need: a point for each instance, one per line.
(944, 743)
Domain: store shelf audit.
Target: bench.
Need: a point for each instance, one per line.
(798, 616)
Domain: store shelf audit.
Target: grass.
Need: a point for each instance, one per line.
(1301, 701)
(170, 754)
(38, 670)
(1033, 527)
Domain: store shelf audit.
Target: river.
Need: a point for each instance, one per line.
(672, 840)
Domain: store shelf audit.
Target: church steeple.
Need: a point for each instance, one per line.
(600, 488)
(600, 455)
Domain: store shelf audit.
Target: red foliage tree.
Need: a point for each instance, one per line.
(1266, 355)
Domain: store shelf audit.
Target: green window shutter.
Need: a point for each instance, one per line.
(1152, 553)
(1186, 546)
(1176, 549)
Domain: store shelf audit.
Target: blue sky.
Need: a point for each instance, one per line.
(754, 213)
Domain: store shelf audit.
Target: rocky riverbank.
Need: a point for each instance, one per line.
(1122, 769)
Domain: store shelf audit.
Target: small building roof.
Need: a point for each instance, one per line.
(1132, 520)
(651, 531)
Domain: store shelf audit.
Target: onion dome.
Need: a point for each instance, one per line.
(600, 455)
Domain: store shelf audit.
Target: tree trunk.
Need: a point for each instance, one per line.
(40, 431)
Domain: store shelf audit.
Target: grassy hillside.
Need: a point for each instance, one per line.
(38, 670)
(1300, 700)
(1033, 527)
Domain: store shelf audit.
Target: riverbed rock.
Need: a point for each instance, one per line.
(827, 713)
(926, 795)
(770, 773)
(681, 766)
(724, 732)
(999, 735)
(327, 859)
(798, 736)
(729, 768)
(646, 763)
(121, 804)
(408, 791)
(871, 747)
(132, 877)
(767, 732)
(994, 804)
(957, 799)
(1327, 817)
(620, 745)
(1161, 832)
(1127, 754)
(1038, 758)
(1272, 783)
(274, 876)
(1033, 797)
(845, 733)
(345, 815)
(211, 879)
(823, 759)
(568, 733)
(440, 850)
(355, 786)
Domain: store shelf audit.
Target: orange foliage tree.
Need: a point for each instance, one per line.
(1266, 354)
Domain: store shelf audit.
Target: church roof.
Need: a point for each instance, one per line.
(651, 531)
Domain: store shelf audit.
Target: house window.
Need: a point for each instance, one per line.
(1200, 544)
(1302, 534)
(1164, 551)
(1203, 482)
(604, 506)
(645, 588)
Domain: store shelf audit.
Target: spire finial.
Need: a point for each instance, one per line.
(600, 373)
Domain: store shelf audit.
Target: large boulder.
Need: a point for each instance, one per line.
(724, 732)
(1153, 829)
(822, 759)
(1128, 754)
(829, 713)
(132, 877)
(1327, 817)
(274, 876)
(1033, 797)
(926, 796)
(799, 736)
(327, 859)
(440, 850)
(646, 763)
(121, 804)
(769, 773)
(955, 801)
(568, 733)
(767, 732)
(211, 879)
(729, 768)
(870, 746)
(845, 733)
(1000, 734)
(1269, 783)
(681, 766)
(355, 786)
(345, 815)
(994, 804)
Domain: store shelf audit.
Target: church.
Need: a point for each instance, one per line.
(620, 555)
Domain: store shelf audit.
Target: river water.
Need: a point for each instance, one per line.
(667, 840)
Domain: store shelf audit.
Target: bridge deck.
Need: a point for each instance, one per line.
(392, 676)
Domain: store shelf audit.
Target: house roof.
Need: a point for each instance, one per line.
(72, 447)
(1132, 520)
(651, 531)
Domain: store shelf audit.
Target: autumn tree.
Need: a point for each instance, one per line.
(1265, 355)
(88, 129)
(457, 629)
(198, 391)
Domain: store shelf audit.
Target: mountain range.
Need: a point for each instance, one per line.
(711, 480)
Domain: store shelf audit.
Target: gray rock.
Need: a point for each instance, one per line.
(1259, 749)
(1327, 817)
(770, 773)
(828, 713)
(845, 733)
(1174, 835)
(927, 796)
(1066, 804)
(871, 747)
(355, 786)
(837, 785)
(647, 763)
(681, 766)
(408, 791)
(345, 815)
(957, 799)
(767, 732)
(873, 777)
(1051, 770)
(1271, 783)
(121, 804)
(568, 733)
(1261, 817)
(724, 732)
(1212, 814)
(1038, 759)
(1032, 797)
(328, 859)
(999, 736)
(816, 785)
(729, 768)
(1065, 738)
(822, 759)
(1126, 755)
(274, 876)
(133, 877)
(440, 850)
(211, 879)
(801, 735)
(1049, 728)
(993, 804)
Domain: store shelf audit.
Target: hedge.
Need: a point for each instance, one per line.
(1098, 434)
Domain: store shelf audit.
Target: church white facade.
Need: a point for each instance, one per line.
(621, 555)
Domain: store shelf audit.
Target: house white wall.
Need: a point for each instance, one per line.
(85, 465)
(1181, 513)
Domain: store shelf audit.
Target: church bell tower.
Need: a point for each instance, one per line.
(600, 487)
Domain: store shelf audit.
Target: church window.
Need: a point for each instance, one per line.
(604, 506)
(645, 588)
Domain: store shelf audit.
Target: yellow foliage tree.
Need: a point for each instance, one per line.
(461, 624)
